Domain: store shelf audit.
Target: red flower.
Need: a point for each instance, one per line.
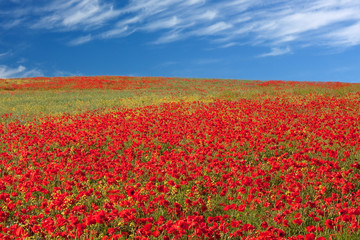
(298, 221)
(20, 232)
(264, 225)
(241, 208)
(329, 224)
(310, 229)
(310, 236)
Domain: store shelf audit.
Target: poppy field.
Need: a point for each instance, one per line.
(164, 158)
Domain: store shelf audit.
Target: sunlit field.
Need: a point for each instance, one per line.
(171, 158)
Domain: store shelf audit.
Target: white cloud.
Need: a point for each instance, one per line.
(4, 54)
(193, 2)
(348, 36)
(230, 44)
(75, 14)
(6, 72)
(269, 23)
(60, 73)
(19, 72)
(290, 26)
(276, 52)
(276, 24)
(161, 24)
(116, 32)
(206, 61)
(128, 21)
(213, 29)
(12, 23)
(208, 15)
(171, 37)
(81, 40)
(150, 7)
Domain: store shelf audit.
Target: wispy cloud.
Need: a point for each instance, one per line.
(116, 32)
(12, 23)
(170, 37)
(292, 22)
(163, 24)
(18, 72)
(75, 14)
(4, 54)
(81, 40)
(276, 52)
(348, 36)
(60, 73)
(213, 29)
(206, 61)
(276, 24)
(256, 22)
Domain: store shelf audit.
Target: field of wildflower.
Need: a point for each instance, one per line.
(169, 158)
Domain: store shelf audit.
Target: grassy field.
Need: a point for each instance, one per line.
(170, 158)
(26, 99)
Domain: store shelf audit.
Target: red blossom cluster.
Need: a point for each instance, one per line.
(105, 82)
(116, 83)
(246, 169)
(153, 83)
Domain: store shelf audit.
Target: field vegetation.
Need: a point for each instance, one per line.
(170, 158)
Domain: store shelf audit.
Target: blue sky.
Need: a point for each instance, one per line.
(302, 40)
